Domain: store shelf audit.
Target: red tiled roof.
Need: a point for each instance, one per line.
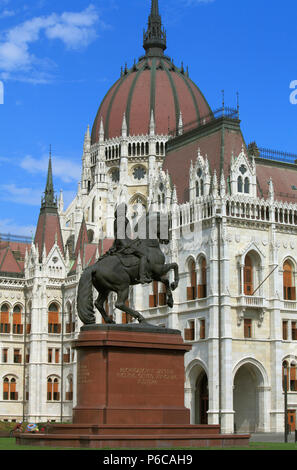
(217, 144)
(48, 228)
(284, 177)
(8, 263)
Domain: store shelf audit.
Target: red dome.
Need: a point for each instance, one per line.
(152, 84)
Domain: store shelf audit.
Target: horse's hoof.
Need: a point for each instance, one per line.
(173, 285)
(170, 303)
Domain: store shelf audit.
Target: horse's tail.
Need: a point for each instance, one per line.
(85, 306)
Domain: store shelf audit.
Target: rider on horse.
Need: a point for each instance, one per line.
(124, 244)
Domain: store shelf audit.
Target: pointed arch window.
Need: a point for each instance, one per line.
(197, 189)
(93, 209)
(202, 285)
(192, 289)
(288, 281)
(17, 320)
(9, 389)
(4, 319)
(53, 393)
(69, 393)
(54, 325)
(248, 276)
(239, 184)
(246, 186)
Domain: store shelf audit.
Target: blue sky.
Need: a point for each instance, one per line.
(59, 58)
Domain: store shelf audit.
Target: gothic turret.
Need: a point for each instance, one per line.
(48, 230)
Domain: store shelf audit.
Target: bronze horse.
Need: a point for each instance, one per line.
(116, 272)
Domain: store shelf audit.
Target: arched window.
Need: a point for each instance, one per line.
(9, 389)
(53, 393)
(248, 276)
(293, 381)
(201, 188)
(285, 374)
(192, 289)
(17, 320)
(54, 325)
(246, 186)
(202, 284)
(197, 189)
(69, 393)
(239, 184)
(4, 320)
(93, 209)
(70, 325)
(288, 281)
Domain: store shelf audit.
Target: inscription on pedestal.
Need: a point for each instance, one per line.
(83, 375)
(147, 376)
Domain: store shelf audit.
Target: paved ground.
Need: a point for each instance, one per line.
(271, 437)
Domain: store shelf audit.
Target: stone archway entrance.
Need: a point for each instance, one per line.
(201, 399)
(248, 382)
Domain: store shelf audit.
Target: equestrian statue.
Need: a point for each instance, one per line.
(129, 262)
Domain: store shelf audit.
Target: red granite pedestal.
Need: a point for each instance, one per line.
(130, 393)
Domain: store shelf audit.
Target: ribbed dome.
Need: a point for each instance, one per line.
(154, 83)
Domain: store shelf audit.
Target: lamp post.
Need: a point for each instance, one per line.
(286, 399)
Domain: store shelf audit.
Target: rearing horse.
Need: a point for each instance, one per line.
(109, 274)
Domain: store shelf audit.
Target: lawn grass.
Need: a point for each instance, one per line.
(10, 444)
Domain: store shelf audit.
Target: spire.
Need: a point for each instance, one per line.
(154, 39)
(49, 202)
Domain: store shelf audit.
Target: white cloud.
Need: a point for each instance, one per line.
(10, 226)
(16, 194)
(7, 13)
(66, 170)
(75, 30)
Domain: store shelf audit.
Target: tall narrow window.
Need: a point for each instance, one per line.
(53, 389)
(9, 389)
(285, 376)
(190, 331)
(5, 355)
(247, 328)
(192, 290)
(69, 393)
(293, 381)
(239, 184)
(93, 209)
(53, 319)
(50, 355)
(294, 330)
(17, 357)
(288, 281)
(246, 186)
(5, 388)
(157, 298)
(4, 320)
(248, 276)
(202, 329)
(17, 320)
(202, 286)
(285, 330)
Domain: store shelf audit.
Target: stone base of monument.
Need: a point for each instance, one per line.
(130, 394)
